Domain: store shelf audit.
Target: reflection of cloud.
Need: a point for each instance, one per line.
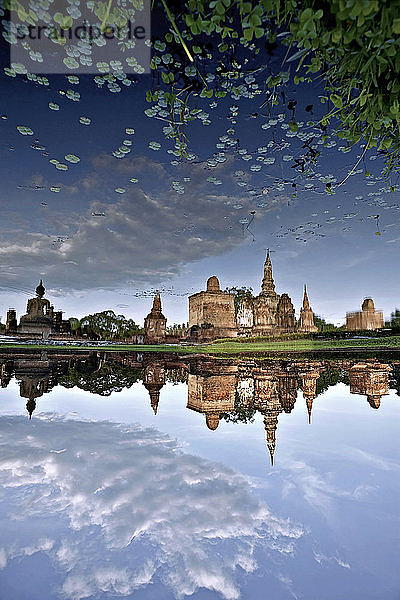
(317, 490)
(150, 235)
(127, 508)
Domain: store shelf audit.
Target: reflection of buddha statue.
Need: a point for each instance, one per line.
(39, 317)
(32, 387)
(30, 406)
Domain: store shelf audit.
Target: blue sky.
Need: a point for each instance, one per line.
(97, 248)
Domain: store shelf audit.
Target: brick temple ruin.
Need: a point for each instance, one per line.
(212, 313)
(366, 319)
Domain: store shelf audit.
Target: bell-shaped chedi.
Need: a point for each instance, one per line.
(213, 285)
(306, 323)
(367, 318)
(155, 323)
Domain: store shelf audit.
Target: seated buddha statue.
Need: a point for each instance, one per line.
(39, 317)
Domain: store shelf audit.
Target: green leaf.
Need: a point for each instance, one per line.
(336, 100)
(248, 33)
(396, 26)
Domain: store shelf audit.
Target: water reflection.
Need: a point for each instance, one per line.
(102, 509)
(219, 389)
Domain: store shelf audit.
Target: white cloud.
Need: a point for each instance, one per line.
(128, 507)
(149, 235)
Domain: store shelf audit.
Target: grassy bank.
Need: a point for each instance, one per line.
(232, 347)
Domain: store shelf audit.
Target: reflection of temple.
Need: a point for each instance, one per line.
(218, 389)
(211, 391)
(270, 312)
(371, 380)
(35, 380)
(266, 400)
(309, 376)
(38, 374)
(41, 320)
(153, 381)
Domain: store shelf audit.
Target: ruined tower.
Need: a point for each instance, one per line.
(306, 323)
(155, 323)
(266, 304)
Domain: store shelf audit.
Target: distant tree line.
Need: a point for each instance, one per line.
(105, 325)
(394, 322)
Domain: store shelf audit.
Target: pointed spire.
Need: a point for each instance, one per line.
(268, 285)
(154, 400)
(270, 425)
(309, 402)
(306, 303)
(271, 448)
(156, 304)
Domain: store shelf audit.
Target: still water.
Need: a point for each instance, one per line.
(153, 477)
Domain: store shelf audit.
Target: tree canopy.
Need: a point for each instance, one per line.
(106, 325)
(351, 46)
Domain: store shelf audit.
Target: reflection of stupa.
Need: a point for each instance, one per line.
(266, 400)
(270, 425)
(371, 380)
(309, 387)
(153, 381)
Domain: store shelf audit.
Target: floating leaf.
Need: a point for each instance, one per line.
(24, 130)
(72, 158)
